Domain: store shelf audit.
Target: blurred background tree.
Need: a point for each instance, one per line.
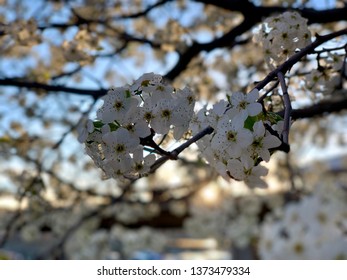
(59, 57)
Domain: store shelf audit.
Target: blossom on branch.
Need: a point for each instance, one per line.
(280, 36)
(130, 119)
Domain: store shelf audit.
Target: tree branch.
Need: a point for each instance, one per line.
(252, 12)
(144, 12)
(320, 109)
(174, 154)
(287, 106)
(252, 15)
(298, 56)
(56, 88)
(227, 40)
(82, 20)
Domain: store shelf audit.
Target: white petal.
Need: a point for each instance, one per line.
(260, 170)
(109, 138)
(236, 169)
(236, 98)
(234, 151)
(149, 160)
(220, 107)
(258, 129)
(264, 154)
(222, 170)
(244, 138)
(218, 141)
(271, 141)
(253, 95)
(254, 109)
(138, 154)
(142, 129)
(179, 131)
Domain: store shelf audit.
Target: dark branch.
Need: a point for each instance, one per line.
(174, 154)
(144, 12)
(318, 110)
(286, 66)
(228, 40)
(79, 20)
(252, 15)
(56, 88)
(252, 12)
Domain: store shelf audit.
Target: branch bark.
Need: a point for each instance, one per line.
(318, 110)
(52, 88)
(286, 66)
(252, 15)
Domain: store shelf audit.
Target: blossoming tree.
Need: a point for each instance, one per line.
(174, 101)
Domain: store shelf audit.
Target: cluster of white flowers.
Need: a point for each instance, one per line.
(320, 81)
(280, 36)
(129, 119)
(326, 79)
(314, 228)
(132, 116)
(240, 139)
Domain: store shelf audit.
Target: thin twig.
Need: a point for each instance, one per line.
(261, 99)
(174, 154)
(298, 56)
(287, 108)
(36, 85)
(10, 225)
(323, 50)
(344, 67)
(142, 13)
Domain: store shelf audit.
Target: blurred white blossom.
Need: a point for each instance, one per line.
(280, 36)
(308, 229)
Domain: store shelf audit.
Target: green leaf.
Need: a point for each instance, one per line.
(229, 99)
(250, 121)
(98, 124)
(273, 117)
(113, 126)
(127, 93)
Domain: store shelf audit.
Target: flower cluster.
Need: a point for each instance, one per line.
(326, 79)
(280, 36)
(314, 228)
(131, 116)
(128, 121)
(240, 139)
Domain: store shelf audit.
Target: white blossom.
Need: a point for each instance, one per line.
(247, 172)
(83, 130)
(263, 141)
(308, 229)
(141, 164)
(117, 103)
(119, 142)
(246, 103)
(281, 35)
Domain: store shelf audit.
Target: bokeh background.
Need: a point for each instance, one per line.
(59, 57)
